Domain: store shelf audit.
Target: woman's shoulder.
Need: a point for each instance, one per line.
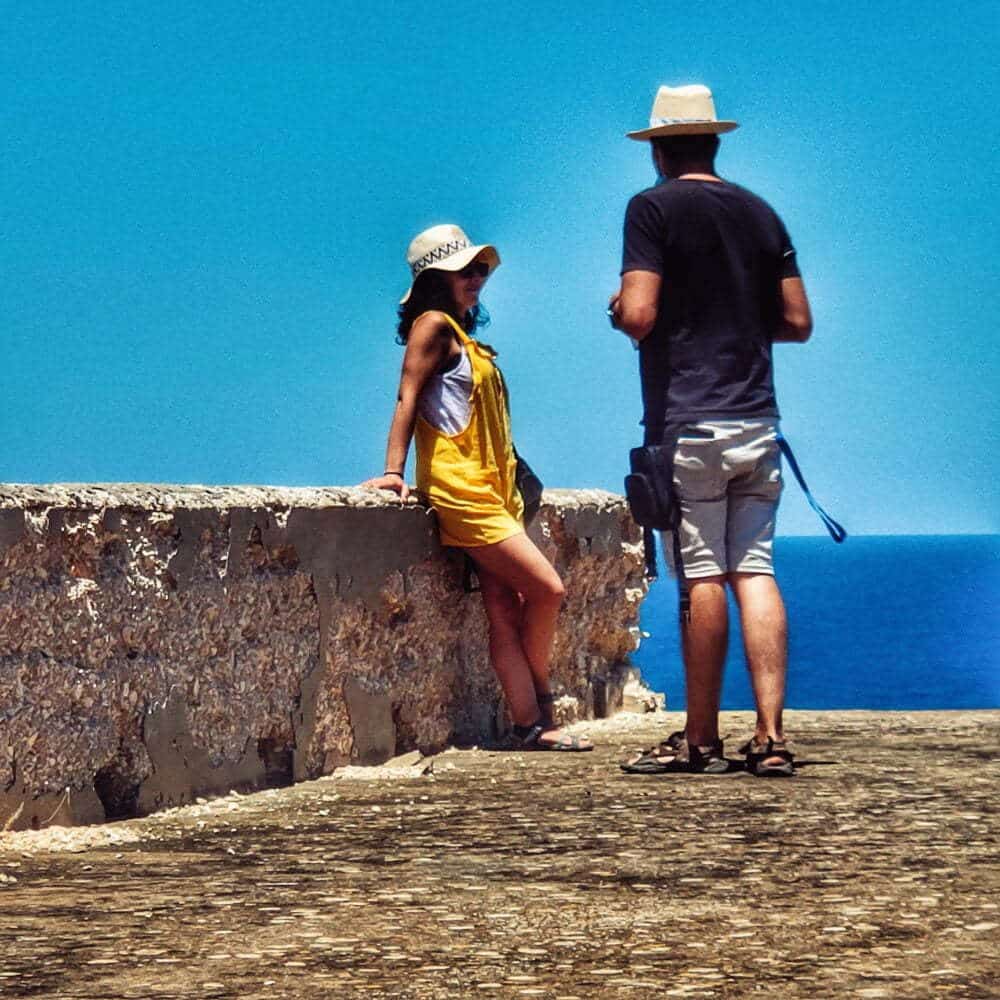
(433, 323)
(433, 317)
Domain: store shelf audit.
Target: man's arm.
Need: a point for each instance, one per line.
(796, 318)
(634, 305)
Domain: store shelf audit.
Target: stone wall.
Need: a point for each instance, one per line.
(158, 643)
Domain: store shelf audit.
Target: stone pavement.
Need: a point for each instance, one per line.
(873, 873)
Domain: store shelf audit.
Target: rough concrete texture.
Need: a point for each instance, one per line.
(871, 874)
(161, 642)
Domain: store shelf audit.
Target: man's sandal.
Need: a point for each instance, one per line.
(530, 738)
(770, 759)
(675, 755)
(657, 759)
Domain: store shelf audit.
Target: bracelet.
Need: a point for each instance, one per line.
(392, 472)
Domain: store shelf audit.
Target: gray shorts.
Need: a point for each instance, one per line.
(727, 474)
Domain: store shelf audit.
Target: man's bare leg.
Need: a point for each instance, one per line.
(765, 640)
(704, 643)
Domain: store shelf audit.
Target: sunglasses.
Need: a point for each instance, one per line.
(477, 269)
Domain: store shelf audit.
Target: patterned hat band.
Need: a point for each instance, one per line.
(438, 254)
(653, 122)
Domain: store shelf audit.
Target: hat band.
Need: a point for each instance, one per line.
(653, 122)
(438, 254)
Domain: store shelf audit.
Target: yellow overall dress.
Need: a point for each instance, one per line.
(469, 477)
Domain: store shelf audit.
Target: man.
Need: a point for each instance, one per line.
(709, 282)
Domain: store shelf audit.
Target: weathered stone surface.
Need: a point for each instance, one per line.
(162, 642)
(181, 770)
(872, 873)
(371, 723)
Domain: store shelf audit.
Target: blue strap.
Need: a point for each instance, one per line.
(649, 551)
(683, 591)
(837, 533)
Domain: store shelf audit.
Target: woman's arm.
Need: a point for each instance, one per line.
(426, 349)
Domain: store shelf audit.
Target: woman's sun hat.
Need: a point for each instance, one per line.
(445, 248)
(687, 110)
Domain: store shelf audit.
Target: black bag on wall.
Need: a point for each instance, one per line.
(530, 487)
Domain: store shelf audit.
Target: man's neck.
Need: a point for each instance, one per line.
(694, 170)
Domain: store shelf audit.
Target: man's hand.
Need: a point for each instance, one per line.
(392, 481)
(796, 322)
(613, 309)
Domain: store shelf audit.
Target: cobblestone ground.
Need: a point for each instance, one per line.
(871, 874)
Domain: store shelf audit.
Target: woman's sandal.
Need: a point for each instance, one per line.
(529, 738)
(675, 755)
(771, 759)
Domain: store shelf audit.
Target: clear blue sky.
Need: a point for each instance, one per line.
(206, 208)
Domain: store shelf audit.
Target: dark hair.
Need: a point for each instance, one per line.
(685, 148)
(431, 290)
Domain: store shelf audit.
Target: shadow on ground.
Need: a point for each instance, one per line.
(542, 875)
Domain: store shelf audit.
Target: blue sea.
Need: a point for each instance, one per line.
(901, 622)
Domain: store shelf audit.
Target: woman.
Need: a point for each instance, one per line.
(452, 400)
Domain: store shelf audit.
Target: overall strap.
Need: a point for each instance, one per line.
(463, 337)
(837, 533)
(471, 348)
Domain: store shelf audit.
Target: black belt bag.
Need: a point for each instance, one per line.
(650, 487)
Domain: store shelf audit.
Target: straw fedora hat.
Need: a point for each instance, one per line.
(687, 110)
(445, 248)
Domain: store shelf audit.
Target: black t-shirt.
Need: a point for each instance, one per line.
(722, 253)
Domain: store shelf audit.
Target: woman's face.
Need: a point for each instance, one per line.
(466, 284)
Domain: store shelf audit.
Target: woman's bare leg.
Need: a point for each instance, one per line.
(522, 594)
(503, 611)
(517, 563)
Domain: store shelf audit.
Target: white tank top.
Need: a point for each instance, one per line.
(444, 399)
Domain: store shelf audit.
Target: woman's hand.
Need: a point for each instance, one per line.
(388, 481)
